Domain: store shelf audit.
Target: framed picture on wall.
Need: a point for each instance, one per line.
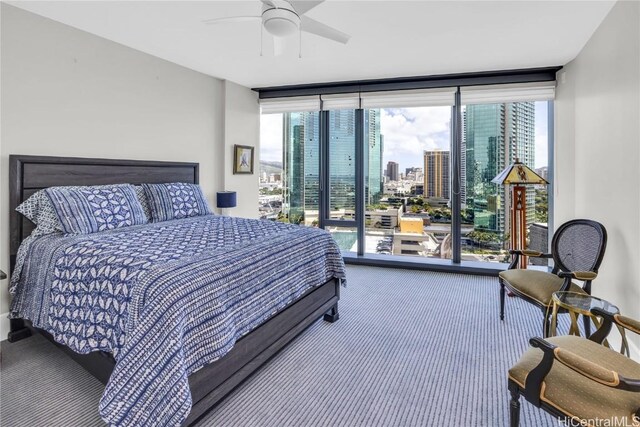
(242, 159)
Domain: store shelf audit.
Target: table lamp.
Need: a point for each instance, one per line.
(225, 199)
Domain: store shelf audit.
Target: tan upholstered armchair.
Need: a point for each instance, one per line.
(578, 247)
(579, 379)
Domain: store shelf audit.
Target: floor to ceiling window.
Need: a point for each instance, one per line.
(493, 137)
(377, 169)
(290, 167)
(407, 181)
(341, 173)
(270, 170)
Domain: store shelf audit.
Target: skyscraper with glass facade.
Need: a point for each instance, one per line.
(495, 134)
(374, 180)
(301, 162)
(342, 162)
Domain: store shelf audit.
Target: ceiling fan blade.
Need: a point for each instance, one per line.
(231, 19)
(278, 4)
(318, 28)
(303, 6)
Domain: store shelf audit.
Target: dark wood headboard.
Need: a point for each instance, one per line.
(28, 174)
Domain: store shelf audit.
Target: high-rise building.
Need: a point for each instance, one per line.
(463, 161)
(342, 160)
(392, 171)
(301, 162)
(495, 135)
(437, 174)
(342, 170)
(374, 181)
(543, 172)
(414, 174)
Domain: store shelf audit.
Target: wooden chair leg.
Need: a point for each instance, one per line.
(502, 295)
(514, 407)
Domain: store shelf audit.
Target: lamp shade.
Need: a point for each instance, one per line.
(518, 173)
(226, 199)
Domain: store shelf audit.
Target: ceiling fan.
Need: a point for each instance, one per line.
(284, 18)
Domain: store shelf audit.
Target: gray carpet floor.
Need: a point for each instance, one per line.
(411, 348)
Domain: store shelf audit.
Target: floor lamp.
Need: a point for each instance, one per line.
(518, 175)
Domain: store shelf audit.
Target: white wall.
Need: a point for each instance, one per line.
(241, 127)
(69, 93)
(598, 149)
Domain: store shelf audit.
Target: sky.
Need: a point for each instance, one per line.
(407, 133)
(271, 137)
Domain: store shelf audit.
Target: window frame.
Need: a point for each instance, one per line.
(457, 82)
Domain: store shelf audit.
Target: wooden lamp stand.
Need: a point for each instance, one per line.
(519, 221)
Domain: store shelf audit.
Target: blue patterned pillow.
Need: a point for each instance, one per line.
(39, 210)
(144, 202)
(175, 201)
(84, 210)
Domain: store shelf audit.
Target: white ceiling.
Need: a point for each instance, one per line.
(389, 38)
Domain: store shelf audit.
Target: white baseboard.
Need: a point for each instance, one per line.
(4, 326)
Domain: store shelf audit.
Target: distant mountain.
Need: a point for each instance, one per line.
(270, 167)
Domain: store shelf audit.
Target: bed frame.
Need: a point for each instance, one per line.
(28, 174)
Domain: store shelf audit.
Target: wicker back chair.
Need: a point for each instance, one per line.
(577, 249)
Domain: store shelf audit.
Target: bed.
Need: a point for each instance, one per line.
(209, 383)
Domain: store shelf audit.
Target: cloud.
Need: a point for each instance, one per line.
(408, 132)
(271, 137)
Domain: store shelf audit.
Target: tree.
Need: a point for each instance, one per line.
(482, 237)
(542, 206)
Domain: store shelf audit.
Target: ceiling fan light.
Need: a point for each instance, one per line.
(280, 22)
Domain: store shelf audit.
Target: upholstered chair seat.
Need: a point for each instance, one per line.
(536, 285)
(577, 395)
(577, 249)
(578, 380)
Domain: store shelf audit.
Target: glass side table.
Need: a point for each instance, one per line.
(581, 304)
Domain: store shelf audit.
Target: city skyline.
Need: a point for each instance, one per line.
(407, 132)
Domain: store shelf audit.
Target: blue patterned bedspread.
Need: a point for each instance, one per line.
(166, 299)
